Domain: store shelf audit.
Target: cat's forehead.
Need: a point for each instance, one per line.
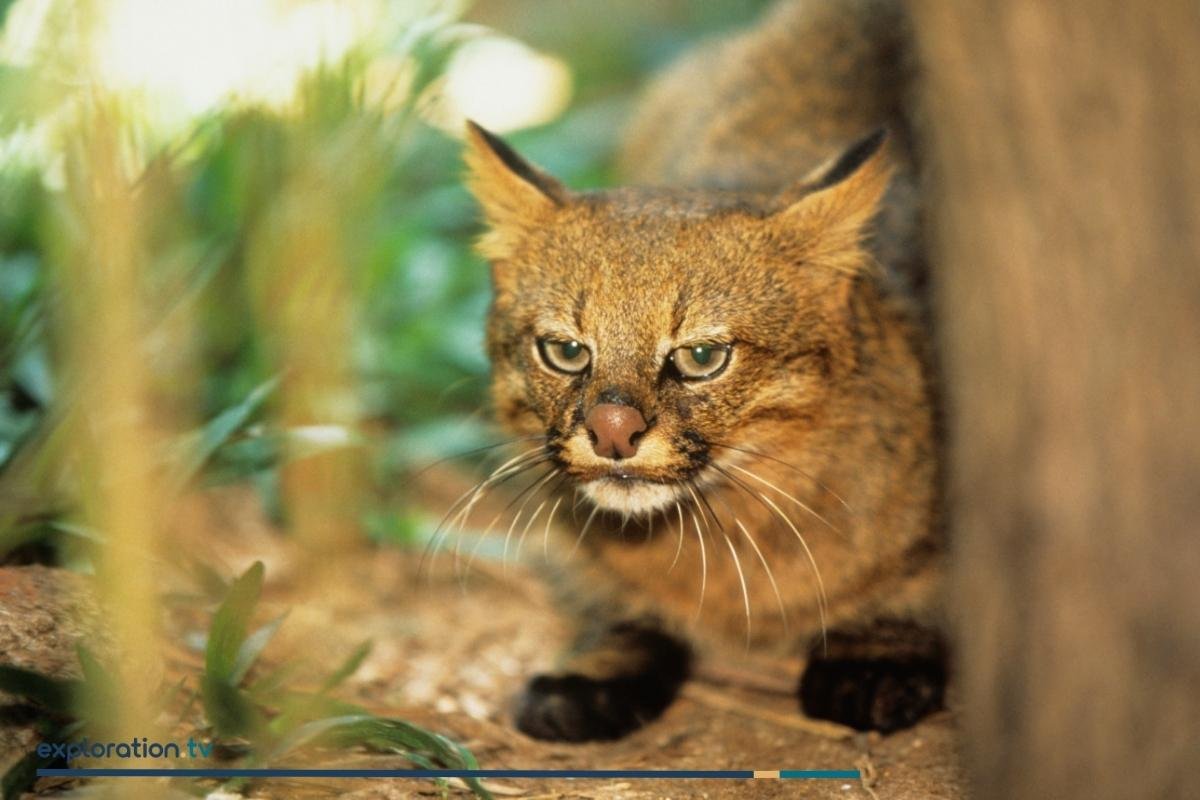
(656, 264)
(636, 235)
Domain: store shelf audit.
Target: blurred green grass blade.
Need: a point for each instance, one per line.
(423, 748)
(252, 648)
(268, 688)
(300, 708)
(348, 667)
(79, 531)
(98, 682)
(430, 43)
(228, 630)
(311, 731)
(229, 710)
(19, 93)
(198, 447)
(21, 775)
(409, 740)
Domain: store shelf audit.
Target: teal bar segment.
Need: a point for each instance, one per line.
(827, 774)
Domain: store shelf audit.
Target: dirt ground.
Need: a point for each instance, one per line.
(450, 654)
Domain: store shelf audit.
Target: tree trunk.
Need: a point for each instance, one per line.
(1064, 149)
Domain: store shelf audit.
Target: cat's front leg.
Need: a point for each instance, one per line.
(616, 678)
(883, 678)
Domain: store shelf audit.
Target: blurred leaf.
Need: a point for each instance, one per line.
(419, 445)
(199, 447)
(430, 43)
(230, 711)
(227, 633)
(417, 744)
(267, 688)
(252, 648)
(21, 775)
(20, 89)
(348, 667)
(299, 708)
(96, 678)
(391, 527)
(424, 748)
(101, 697)
(31, 371)
(15, 426)
(80, 531)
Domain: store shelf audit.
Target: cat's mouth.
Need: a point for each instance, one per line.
(627, 493)
(656, 477)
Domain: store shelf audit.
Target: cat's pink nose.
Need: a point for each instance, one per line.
(614, 429)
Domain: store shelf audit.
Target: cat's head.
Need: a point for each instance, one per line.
(641, 330)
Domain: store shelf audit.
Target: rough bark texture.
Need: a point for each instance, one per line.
(1066, 160)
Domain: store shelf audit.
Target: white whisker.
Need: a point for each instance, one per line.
(696, 505)
(525, 530)
(511, 467)
(806, 475)
(770, 575)
(737, 563)
(770, 485)
(821, 601)
(479, 540)
(530, 492)
(546, 535)
(582, 533)
(703, 564)
(678, 547)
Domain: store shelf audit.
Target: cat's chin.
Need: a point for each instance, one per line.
(630, 496)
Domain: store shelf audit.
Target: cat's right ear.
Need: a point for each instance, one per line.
(514, 194)
(836, 203)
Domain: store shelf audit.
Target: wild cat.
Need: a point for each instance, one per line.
(727, 363)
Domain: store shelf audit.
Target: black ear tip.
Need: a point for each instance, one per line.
(513, 162)
(475, 128)
(854, 157)
(873, 140)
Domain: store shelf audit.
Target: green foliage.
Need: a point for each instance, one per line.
(279, 721)
(229, 655)
(200, 447)
(421, 294)
(274, 720)
(348, 667)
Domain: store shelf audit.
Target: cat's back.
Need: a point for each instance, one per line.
(759, 109)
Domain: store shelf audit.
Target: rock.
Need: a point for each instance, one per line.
(44, 613)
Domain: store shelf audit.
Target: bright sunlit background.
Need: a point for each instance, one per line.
(175, 63)
(235, 250)
(222, 113)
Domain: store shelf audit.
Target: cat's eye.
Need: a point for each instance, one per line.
(564, 355)
(700, 360)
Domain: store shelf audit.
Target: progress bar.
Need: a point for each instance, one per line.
(672, 774)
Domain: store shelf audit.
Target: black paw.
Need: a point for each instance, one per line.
(872, 694)
(574, 708)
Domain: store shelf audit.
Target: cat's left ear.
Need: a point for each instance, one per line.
(836, 203)
(513, 193)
